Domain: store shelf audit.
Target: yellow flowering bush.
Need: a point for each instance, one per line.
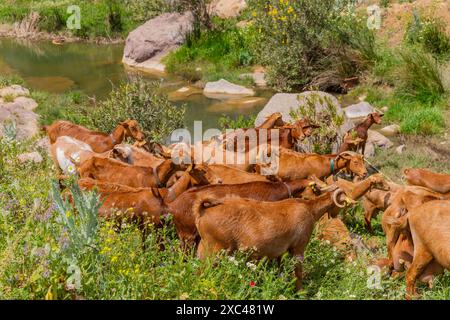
(301, 39)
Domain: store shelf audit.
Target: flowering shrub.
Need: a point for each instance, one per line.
(300, 40)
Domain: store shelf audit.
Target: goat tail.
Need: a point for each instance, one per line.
(202, 202)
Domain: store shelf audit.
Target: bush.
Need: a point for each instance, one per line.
(431, 34)
(306, 42)
(326, 136)
(139, 100)
(420, 75)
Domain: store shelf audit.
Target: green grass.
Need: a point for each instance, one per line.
(35, 262)
(212, 56)
(104, 18)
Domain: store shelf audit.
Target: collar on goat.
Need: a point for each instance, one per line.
(332, 166)
(288, 189)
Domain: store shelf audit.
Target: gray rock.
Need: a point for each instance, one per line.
(369, 150)
(30, 157)
(391, 130)
(358, 110)
(400, 149)
(226, 9)
(378, 139)
(148, 43)
(43, 143)
(14, 91)
(225, 87)
(20, 112)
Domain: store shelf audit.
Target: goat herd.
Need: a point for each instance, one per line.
(234, 207)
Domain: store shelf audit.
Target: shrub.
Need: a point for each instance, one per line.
(420, 74)
(327, 135)
(431, 34)
(139, 100)
(306, 42)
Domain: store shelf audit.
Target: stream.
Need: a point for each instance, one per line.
(95, 69)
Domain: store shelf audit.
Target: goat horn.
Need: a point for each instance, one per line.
(336, 194)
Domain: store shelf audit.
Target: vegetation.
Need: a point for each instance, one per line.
(210, 56)
(50, 249)
(104, 18)
(139, 100)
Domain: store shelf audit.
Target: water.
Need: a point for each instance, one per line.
(95, 69)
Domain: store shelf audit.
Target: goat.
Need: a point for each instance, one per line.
(99, 141)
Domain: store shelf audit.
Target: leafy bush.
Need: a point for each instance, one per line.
(326, 136)
(431, 34)
(139, 100)
(420, 74)
(305, 42)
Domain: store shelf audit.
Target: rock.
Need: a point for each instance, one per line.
(385, 109)
(400, 149)
(369, 150)
(43, 143)
(184, 93)
(22, 103)
(149, 43)
(225, 87)
(243, 24)
(226, 9)
(14, 91)
(20, 113)
(359, 110)
(390, 130)
(30, 157)
(378, 139)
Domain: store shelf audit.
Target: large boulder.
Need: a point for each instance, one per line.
(227, 88)
(359, 110)
(148, 44)
(226, 9)
(19, 113)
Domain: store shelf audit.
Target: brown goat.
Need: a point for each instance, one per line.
(427, 227)
(136, 156)
(141, 205)
(350, 143)
(288, 135)
(293, 165)
(403, 201)
(99, 141)
(275, 120)
(222, 174)
(439, 182)
(268, 229)
(360, 130)
(114, 171)
(183, 216)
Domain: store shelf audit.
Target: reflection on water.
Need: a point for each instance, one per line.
(95, 69)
